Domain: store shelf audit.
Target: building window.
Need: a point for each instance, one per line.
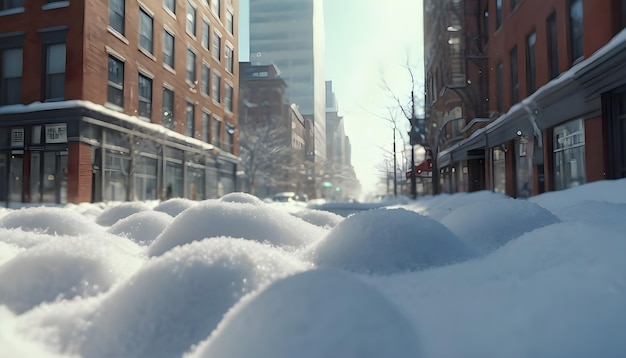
(499, 170)
(168, 49)
(11, 66)
(514, 77)
(115, 87)
(190, 114)
(217, 45)
(145, 96)
(205, 126)
(230, 138)
(531, 67)
(576, 29)
(168, 109)
(230, 23)
(205, 35)
(217, 7)
(499, 87)
(11, 4)
(145, 31)
(569, 155)
(215, 132)
(116, 15)
(228, 97)
(191, 19)
(498, 14)
(191, 66)
(553, 49)
(216, 85)
(204, 86)
(170, 5)
(55, 72)
(229, 56)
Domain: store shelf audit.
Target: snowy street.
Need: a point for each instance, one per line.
(464, 275)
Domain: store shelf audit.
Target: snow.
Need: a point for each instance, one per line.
(387, 241)
(463, 275)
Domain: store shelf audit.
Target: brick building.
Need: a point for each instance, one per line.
(117, 99)
(557, 85)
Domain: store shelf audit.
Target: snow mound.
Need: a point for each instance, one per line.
(213, 219)
(142, 227)
(558, 291)
(175, 206)
(320, 218)
(177, 299)
(8, 251)
(487, 225)
(14, 344)
(115, 213)
(386, 241)
(323, 313)
(242, 198)
(47, 220)
(23, 239)
(439, 206)
(611, 191)
(64, 267)
(592, 211)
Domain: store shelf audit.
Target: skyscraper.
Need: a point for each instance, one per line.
(290, 34)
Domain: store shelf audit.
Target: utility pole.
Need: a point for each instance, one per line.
(413, 142)
(395, 166)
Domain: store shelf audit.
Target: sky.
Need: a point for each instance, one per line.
(368, 43)
(239, 277)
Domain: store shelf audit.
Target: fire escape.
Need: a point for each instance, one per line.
(466, 65)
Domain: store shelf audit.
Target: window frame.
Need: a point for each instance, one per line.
(172, 8)
(48, 80)
(576, 41)
(514, 75)
(498, 8)
(531, 63)
(216, 47)
(205, 80)
(190, 24)
(115, 85)
(205, 41)
(216, 84)
(229, 57)
(142, 98)
(171, 122)
(228, 97)
(143, 16)
(191, 74)
(553, 48)
(114, 13)
(172, 55)
(5, 79)
(190, 118)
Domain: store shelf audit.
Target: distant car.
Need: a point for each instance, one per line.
(288, 196)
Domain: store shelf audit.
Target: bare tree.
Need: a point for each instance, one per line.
(266, 153)
(417, 132)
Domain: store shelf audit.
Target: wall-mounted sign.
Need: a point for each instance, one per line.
(17, 137)
(56, 133)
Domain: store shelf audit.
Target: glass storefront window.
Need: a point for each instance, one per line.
(15, 177)
(115, 176)
(524, 167)
(499, 171)
(569, 155)
(145, 179)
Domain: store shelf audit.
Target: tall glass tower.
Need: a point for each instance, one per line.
(290, 34)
